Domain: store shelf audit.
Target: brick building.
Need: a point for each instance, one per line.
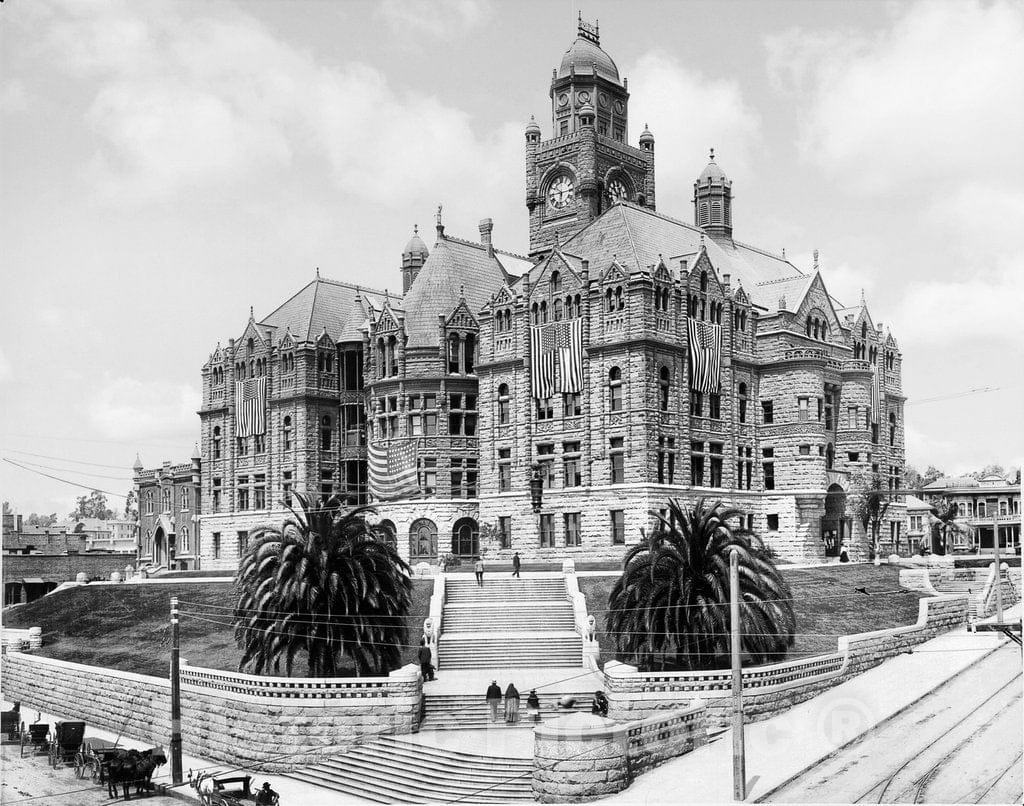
(170, 502)
(809, 398)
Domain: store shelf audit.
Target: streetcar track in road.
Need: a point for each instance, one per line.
(996, 780)
(889, 779)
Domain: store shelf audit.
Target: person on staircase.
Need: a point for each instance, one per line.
(511, 705)
(533, 705)
(426, 660)
(479, 571)
(494, 699)
(600, 705)
(515, 564)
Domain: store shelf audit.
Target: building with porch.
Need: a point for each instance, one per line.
(984, 505)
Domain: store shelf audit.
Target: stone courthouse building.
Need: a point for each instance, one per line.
(625, 358)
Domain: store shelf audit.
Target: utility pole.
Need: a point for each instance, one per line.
(999, 573)
(739, 764)
(176, 777)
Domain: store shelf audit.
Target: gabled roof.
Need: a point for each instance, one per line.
(455, 269)
(639, 238)
(338, 308)
(794, 289)
(915, 504)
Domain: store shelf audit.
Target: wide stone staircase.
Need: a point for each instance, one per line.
(396, 770)
(469, 711)
(959, 587)
(508, 623)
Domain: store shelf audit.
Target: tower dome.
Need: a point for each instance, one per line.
(415, 245)
(585, 57)
(414, 255)
(712, 200)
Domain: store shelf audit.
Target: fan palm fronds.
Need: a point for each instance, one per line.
(325, 587)
(670, 607)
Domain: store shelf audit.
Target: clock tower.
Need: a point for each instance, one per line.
(587, 164)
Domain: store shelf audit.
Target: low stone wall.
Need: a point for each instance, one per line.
(772, 688)
(584, 757)
(272, 722)
(988, 600)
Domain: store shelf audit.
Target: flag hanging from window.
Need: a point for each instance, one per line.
(705, 355)
(876, 396)
(392, 469)
(569, 336)
(250, 407)
(542, 361)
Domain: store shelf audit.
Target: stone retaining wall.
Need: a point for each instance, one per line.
(584, 757)
(770, 689)
(270, 721)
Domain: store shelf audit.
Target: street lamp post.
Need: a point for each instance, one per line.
(739, 765)
(999, 571)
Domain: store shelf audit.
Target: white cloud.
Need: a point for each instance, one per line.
(439, 18)
(934, 100)
(125, 408)
(5, 367)
(690, 113)
(13, 97)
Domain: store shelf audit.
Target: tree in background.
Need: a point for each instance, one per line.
(670, 607)
(42, 520)
(323, 586)
(7, 508)
(93, 505)
(948, 526)
(131, 506)
(870, 503)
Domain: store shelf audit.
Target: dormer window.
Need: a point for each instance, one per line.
(555, 282)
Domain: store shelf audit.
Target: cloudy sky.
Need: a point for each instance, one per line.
(165, 166)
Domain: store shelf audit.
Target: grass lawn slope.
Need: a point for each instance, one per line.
(825, 600)
(127, 626)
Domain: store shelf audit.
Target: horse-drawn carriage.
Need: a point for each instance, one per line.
(66, 744)
(231, 790)
(36, 737)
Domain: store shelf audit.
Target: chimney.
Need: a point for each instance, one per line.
(682, 266)
(486, 226)
(725, 279)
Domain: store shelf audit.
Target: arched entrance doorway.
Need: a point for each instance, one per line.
(422, 541)
(835, 526)
(386, 533)
(466, 538)
(159, 547)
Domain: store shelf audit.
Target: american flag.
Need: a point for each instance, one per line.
(563, 340)
(392, 469)
(542, 361)
(705, 355)
(876, 396)
(250, 407)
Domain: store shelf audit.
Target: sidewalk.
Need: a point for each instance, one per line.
(779, 748)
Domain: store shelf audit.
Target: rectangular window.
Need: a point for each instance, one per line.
(259, 493)
(772, 522)
(716, 471)
(767, 411)
(504, 470)
(802, 409)
(821, 409)
(243, 492)
(616, 456)
(286, 488)
(715, 406)
(697, 470)
(259, 442)
(430, 423)
(428, 475)
(743, 409)
(696, 403)
(216, 495)
(853, 456)
(618, 522)
(572, 528)
(463, 476)
(243, 542)
(874, 433)
(571, 476)
(216, 545)
(768, 468)
(243, 446)
(505, 531)
(547, 531)
(571, 404)
(545, 411)
(805, 450)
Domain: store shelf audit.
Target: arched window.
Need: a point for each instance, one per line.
(392, 358)
(508, 320)
(716, 212)
(608, 306)
(555, 282)
(454, 346)
(558, 309)
(468, 350)
(808, 326)
(576, 306)
(892, 428)
(465, 538)
(166, 495)
(743, 321)
(620, 303)
(325, 433)
(250, 345)
(703, 215)
(535, 313)
(704, 282)
(663, 384)
(615, 389)
(503, 405)
(286, 433)
(216, 442)
(815, 328)
(824, 331)
(863, 330)
(183, 544)
(693, 305)
(422, 540)
(543, 312)
(382, 364)
(743, 402)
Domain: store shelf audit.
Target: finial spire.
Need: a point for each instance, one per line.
(712, 154)
(815, 259)
(251, 316)
(862, 300)
(317, 272)
(415, 229)
(440, 226)
(462, 291)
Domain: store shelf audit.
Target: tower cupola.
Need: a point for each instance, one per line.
(712, 201)
(414, 256)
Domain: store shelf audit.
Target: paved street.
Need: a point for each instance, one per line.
(30, 780)
(959, 744)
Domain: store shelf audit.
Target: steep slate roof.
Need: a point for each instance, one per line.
(455, 268)
(325, 304)
(792, 288)
(636, 236)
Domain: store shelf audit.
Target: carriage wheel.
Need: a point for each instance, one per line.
(97, 771)
(80, 764)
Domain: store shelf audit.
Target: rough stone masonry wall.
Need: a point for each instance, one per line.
(225, 716)
(774, 688)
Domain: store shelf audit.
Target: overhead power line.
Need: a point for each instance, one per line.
(66, 461)
(63, 481)
(953, 396)
(126, 479)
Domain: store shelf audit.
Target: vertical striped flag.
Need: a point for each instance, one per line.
(392, 469)
(542, 361)
(876, 396)
(569, 336)
(250, 407)
(705, 355)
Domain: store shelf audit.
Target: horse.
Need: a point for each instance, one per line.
(129, 767)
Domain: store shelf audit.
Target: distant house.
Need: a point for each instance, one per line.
(169, 508)
(919, 518)
(983, 504)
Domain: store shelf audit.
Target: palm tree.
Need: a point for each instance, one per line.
(670, 607)
(948, 525)
(321, 585)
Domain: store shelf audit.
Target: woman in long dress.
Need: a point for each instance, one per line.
(511, 705)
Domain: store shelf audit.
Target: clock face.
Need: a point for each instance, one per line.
(560, 192)
(563, 99)
(617, 191)
(583, 97)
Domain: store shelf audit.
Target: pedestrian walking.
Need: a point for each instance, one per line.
(426, 660)
(600, 706)
(511, 705)
(515, 564)
(479, 572)
(493, 699)
(844, 556)
(533, 705)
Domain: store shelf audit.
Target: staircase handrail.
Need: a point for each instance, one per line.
(437, 602)
(582, 621)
